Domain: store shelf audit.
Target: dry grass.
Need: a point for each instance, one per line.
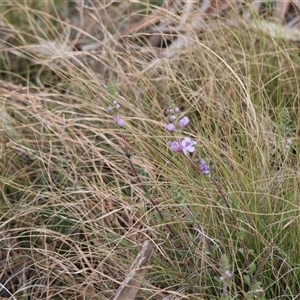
(73, 212)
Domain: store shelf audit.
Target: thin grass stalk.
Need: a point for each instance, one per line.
(128, 155)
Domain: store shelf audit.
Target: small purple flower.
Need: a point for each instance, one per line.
(116, 104)
(171, 127)
(183, 122)
(185, 146)
(188, 145)
(287, 143)
(172, 118)
(204, 168)
(119, 121)
(175, 146)
(227, 275)
(176, 109)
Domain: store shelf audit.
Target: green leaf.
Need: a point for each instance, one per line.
(247, 280)
(111, 91)
(240, 235)
(252, 269)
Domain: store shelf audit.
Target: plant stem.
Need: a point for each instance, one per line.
(128, 155)
(233, 217)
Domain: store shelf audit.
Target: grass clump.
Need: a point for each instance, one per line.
(92, 168)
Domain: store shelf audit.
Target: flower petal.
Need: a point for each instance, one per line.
(170, 127)
(172, 118)
(183, 122)
(175, 146)
(204, 167)
(119, 121)
(188, 145)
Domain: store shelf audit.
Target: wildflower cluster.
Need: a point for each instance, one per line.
(114, 109)
(185, 145)
(180, 124)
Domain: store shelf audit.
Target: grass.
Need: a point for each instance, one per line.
(76, 206)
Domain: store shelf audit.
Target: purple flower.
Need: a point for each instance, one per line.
(175, 146)
(115, 106)
(119, 121)
(171, 127)
(172, 118)
(188, 145)
(183, 122)
(176, 109)
(204, 168)
(185, 146)
(287, 143)
(227, 275)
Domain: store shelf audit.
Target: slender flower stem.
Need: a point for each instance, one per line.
(127, 153)
(200, 230)
(233, 217)
(220, 191)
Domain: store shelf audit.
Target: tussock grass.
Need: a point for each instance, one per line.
(73, 212)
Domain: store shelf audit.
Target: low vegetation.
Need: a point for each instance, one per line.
(113, 149)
